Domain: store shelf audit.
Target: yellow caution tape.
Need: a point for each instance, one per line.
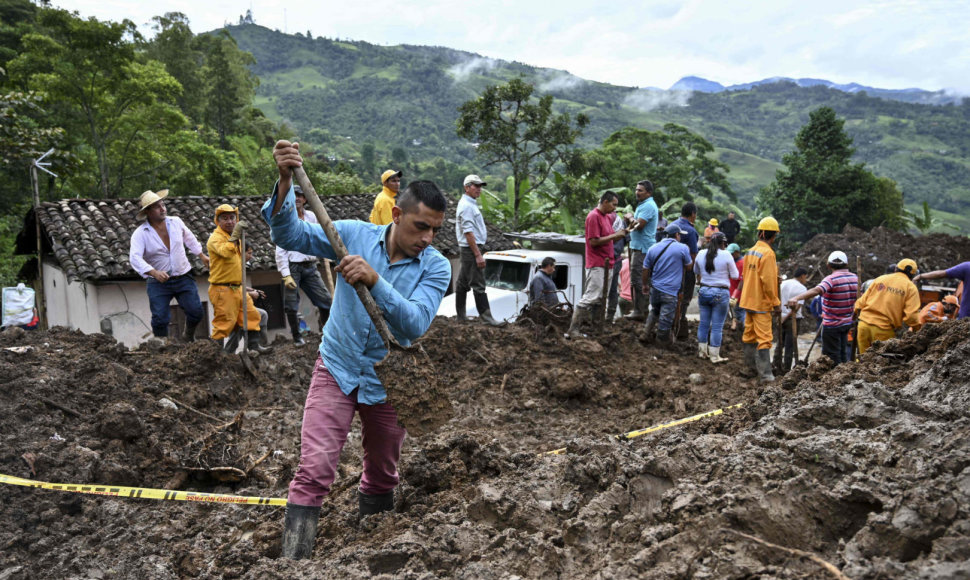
(655, 428)
(143, 493)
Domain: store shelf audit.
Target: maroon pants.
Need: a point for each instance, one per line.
(327, 417)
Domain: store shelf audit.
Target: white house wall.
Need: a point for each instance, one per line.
(71, 304)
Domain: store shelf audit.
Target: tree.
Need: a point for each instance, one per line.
(675, 160)
(231, 85)
(820, 190)
(179, 50)
(511, 127)
(925, 221)
(108, 101)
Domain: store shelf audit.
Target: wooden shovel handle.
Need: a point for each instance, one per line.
(316, 206)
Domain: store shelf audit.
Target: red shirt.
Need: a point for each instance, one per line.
(733, 289)
(598, 225)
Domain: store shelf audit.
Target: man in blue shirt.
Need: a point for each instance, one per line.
(407, 278)
(663, 271)
(688, 214)
(641, 240)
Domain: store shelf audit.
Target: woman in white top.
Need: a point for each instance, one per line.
(714, 268)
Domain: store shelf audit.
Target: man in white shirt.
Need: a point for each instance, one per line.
(299, 271)
(790, 289)
(157, 253)
(471, 234)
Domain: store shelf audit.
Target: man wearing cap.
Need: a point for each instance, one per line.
(157, 253)
(471, 234)
(299, 271)
(642, 237)
(839, 291)
(730, 227)
(225, 282)
(890, 302)
(938, 311)
(391, 184)
(759, 297)
(710, 230)
(959, 272)
(663, 273)
(407, 278)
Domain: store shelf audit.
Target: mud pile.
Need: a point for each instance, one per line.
(864, 467)
(876, 250)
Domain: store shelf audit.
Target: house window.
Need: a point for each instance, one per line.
(561, 276)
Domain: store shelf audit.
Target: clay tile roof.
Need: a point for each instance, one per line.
(90, 238)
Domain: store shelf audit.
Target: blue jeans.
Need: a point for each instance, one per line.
(307, 278)
(713, 303)
(664, 307)
(160, 295)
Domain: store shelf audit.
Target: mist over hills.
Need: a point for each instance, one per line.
(341, 94)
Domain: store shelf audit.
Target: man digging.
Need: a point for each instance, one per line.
(407, 278)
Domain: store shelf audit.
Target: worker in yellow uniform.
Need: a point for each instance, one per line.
(385, 200)
(759, 297)
(891, 301)
(225, 282)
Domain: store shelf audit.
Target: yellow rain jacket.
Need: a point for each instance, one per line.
(760, 290)
(225, 290)
(890, 301)
(381, 214)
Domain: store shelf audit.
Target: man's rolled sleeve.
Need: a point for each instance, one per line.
(190, 241)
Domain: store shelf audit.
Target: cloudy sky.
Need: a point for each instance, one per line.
(888, 44)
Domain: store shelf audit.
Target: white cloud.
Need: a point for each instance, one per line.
(560, 81)
(463, 70)
(650, 99)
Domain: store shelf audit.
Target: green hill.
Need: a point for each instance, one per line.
(341, 94)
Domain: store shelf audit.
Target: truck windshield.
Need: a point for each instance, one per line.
(507, 275)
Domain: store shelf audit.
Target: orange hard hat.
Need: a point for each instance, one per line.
(951, 299)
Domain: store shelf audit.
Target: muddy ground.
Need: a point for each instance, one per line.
(865, 467)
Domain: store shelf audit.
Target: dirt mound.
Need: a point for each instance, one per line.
(876, 250)
(865, 466)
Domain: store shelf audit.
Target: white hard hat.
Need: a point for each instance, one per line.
(838, 257)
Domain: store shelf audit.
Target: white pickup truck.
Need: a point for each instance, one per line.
(508, 274)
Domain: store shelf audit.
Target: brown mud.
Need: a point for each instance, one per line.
(866, 467)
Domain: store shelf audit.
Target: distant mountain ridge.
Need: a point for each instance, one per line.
(911, 95)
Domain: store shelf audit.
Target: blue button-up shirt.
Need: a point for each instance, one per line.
(407, 292)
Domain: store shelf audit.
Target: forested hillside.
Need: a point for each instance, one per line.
(343, 95)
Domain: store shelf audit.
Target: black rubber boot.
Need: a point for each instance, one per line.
(189, 334)
(294, 321)
(647, 335)
(484, 311)
(254, 346)
(579, 316)
(324, 314)
(299, 530)
(640, 306)
(461, 298)
(232, 341)
(368, 505)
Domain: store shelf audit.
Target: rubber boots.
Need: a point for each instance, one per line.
(702, 350)
(299, 530)
(750, 350)
(763, 359)
(461, 298)
(663, 338)
(646, 336)
(189, 334)
(639, 306)
(294, 321)
(579, 314)
(715, 354)
(484, 312)
(368, 505)
(252, 343)
(232, 341)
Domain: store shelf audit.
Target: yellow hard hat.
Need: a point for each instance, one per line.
(768, 224)
(225, 208)
(907, 266)
(713, 222)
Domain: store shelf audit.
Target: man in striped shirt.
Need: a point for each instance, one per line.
(839, 291)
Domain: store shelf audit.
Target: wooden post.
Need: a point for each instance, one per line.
(39, 291)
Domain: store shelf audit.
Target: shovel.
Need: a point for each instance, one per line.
(244, 355)
(407, 373)
(811, 346)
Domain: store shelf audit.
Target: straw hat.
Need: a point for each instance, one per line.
(147, 199)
